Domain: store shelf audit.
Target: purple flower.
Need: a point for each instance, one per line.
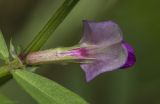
(101, 49)
(103, 42)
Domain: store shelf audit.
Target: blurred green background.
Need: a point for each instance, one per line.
(140, 22)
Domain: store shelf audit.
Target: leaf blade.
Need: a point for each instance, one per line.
(4, 54)
(45, 91)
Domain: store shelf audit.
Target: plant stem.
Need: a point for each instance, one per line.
(51, 26)
(4, 71)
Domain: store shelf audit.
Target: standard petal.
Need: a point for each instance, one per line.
(131, 55)
(112, 58)
(101, 32)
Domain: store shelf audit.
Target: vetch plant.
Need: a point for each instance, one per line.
(101, 49)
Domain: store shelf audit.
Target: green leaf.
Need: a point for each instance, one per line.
(5, 100)
(12, 50)
(51, 26)
(4, 54)
(45, 91)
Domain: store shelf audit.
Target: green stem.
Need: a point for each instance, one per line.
(4, 70)
(51, 26)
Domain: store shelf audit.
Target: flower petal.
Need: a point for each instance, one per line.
(99, 32)
(131, 55)
(112, 58)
